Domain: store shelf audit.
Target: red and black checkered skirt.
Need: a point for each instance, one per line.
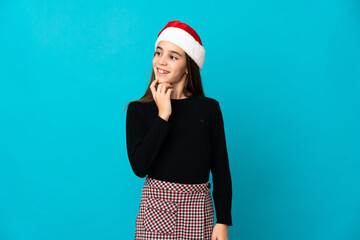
(174, 211)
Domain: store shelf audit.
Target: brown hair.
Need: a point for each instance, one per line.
(193, 85)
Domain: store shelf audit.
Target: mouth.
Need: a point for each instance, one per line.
(161, 72)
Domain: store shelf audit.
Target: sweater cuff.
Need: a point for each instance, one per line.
(229, 222)
(164, 122)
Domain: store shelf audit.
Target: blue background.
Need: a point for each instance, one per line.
(286, 74)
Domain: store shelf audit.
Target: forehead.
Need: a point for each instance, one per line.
(168, 46)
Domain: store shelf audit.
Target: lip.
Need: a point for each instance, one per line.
(161, 74)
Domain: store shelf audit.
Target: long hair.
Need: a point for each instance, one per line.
(193, 85)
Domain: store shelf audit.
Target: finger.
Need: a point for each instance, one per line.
(160, 88)
(168, 84)
(152, 87)
(165, 89)
(169, 91)
(153, 83)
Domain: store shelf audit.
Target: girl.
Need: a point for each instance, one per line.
(175, 135)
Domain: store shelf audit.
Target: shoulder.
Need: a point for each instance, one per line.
(134, 107)
(140, 105)
(208, 100)
(142, 109)
(210, 103)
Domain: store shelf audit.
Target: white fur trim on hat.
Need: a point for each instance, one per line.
(185, 41)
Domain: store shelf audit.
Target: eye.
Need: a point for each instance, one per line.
(158, 53)
(174, 57)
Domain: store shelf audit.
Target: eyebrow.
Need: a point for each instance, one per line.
(171, 51)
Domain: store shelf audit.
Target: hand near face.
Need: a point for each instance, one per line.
(161, 93)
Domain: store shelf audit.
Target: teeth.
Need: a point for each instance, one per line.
(161, 71)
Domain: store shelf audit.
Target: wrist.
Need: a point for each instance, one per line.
(164, 116)
(222, 224)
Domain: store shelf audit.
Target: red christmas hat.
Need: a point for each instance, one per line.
(184, 37)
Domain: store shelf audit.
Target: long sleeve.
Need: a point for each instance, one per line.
(222, 190)
(143, 142)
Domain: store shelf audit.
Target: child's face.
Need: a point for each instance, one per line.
(172, 60)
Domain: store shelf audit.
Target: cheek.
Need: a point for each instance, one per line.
(181, 68)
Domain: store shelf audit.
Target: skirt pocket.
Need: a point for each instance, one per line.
(160, 215)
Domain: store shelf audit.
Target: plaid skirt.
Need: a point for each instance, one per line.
(174, 211)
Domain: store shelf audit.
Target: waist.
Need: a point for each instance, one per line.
(178, 187)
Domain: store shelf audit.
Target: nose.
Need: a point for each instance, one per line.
(162, 60)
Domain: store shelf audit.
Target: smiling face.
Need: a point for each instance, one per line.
(169, 63)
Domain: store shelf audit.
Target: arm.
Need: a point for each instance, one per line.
(222, 191)
(143, 143)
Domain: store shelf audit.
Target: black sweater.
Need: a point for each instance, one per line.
(183, 149)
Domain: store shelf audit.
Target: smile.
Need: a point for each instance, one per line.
(162, 72)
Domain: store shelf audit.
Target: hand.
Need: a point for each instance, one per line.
(220, 232)
(161, 96)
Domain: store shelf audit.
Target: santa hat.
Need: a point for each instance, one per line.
(184, 37)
